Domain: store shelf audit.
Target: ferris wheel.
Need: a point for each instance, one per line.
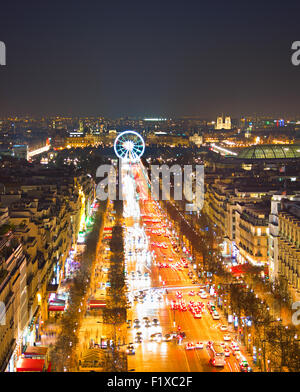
(129, 145)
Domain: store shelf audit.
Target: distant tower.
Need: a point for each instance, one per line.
(227, 123)
(223, 125)
(219, 123)
(80, 126)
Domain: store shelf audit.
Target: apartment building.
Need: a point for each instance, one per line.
(44, 210)
(221, 203)
(13, 299)
(252, 229)
(289, 244)
(276, 203)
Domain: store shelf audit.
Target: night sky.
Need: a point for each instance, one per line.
(149, 58)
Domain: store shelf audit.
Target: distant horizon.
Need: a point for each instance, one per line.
(154, 117)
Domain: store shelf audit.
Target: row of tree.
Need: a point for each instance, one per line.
(277, 345)
(114, 315)
(63, 355)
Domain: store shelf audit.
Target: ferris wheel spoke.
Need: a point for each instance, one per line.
(134, 155)
(129, 145)
(122, 149)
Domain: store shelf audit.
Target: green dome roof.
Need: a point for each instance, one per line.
(270, 151)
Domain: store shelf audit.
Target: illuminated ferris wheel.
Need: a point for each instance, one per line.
(129, 145)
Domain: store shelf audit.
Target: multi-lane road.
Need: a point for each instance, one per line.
(149, 242)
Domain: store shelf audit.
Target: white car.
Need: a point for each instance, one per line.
(227, 338)
(203, 295)
(189, 346)
(223, 328)
(238, 355)
(199, 345)
(216, 317)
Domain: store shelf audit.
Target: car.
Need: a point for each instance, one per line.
(223, 328)
(189, 346)
(130, 350)
(199, 345)
(227, 338)
(167, 337)
(197, 315)
(128, 322)
(244, 366)
(158, 337)
(203, 295)
(236, 353)
(139, 334)
(227, 352)
(138, 339)
(216, 317)
(178, 294)
(234, 346)
(192, 293)
(136, 321)
(155, 322)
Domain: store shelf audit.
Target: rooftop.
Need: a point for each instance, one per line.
(270, 151)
